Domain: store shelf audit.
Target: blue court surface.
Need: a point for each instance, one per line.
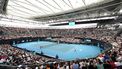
(63, 51)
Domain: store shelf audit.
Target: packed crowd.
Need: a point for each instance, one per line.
(10, 33)
(14, 56)
(23, 59)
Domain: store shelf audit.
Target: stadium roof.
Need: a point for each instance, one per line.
(46, 13)
(37, 8)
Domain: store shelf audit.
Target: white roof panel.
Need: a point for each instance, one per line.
(33, 8)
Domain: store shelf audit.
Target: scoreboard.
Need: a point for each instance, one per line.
(71, 23)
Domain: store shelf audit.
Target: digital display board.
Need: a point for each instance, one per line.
(71, 23)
